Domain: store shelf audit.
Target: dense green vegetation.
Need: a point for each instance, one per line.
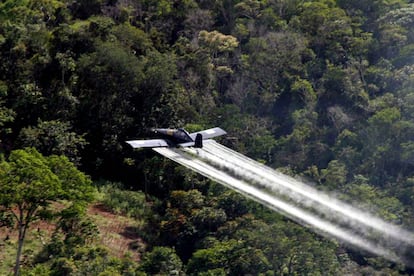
(317, 88)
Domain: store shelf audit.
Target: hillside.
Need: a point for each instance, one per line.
(116, 233)
(317, 89)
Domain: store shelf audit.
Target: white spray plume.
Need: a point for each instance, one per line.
(301, 203)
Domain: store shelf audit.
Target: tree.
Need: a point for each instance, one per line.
(234, 204)
(328, 29)
(381, 150)
(283, 248)
(91, 260)
(189, 219)
(258, 141)
(360, 192)
(234, 256)
(53, 137)
(334, 175)
(219, 48)
(299, 142)
(177, 228)
(271, 64)
(30, 183)
(161, 261)
(6, 114)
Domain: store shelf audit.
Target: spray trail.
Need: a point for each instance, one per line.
(294, 213)
(295, 200)
(307, 195)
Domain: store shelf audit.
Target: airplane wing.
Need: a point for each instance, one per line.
(153, 143)
(187, 144)
(209, 133)
(191, 144)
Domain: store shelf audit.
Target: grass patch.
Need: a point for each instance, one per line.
(33, 244)
(116, 232)
(124, 202)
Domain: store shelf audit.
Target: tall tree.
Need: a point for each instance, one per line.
(30, 182)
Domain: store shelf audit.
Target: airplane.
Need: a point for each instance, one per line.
(177, 138)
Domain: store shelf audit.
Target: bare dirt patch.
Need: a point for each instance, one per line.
(118, 233)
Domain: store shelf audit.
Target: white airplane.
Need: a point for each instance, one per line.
(177, 138)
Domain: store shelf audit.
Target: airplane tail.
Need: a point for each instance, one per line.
(198, 141)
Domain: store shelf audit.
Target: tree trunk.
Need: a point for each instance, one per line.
(22, 234)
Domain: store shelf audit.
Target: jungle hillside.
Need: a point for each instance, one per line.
(321, 90)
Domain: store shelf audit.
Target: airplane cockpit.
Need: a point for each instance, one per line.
(182, 135)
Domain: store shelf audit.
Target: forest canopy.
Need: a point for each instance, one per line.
(321, 89)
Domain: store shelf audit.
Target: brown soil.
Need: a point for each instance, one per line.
(118, 233)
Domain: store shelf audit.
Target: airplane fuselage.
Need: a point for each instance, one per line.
(173, 136)
(167, 137)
